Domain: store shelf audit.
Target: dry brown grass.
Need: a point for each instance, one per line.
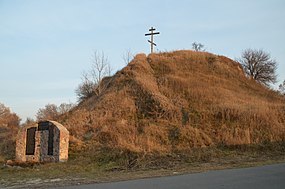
(178, 101)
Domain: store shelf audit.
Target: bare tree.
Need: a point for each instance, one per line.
(4, 111)
(86, 88)
(65, 107)
(52, 111)
(282, 88)
(9, 126)
(259, 66)
(49, 112)
(91, 80)
(29, 121)
(198, 46)
(128, 56)
(8, 118)
(100, 67)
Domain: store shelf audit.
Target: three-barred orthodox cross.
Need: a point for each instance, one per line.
(152, 33)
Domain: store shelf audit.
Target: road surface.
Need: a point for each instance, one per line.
(265, 177)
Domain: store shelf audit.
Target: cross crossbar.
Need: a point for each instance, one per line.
(151, 42)
(156, 33)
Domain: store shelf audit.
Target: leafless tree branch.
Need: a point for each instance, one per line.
(259, 66)
(128, 56)
(198, 46)
(91, 80)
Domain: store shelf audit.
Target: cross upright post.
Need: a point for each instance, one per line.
(152, 33)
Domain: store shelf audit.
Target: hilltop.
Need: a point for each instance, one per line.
(175, 101)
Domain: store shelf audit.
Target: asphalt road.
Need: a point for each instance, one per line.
(271, 177)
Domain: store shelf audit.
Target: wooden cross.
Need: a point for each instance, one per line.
(152, 33)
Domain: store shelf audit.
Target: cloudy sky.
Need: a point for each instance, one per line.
(45, 45)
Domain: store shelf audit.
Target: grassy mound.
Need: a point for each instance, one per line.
(178, 101)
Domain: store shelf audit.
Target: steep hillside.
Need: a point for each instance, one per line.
(177, 101)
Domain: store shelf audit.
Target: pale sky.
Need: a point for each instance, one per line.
(45, 45)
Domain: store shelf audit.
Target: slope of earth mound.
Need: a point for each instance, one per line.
(177, 101)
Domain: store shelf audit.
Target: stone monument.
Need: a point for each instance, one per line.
(46, 141)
